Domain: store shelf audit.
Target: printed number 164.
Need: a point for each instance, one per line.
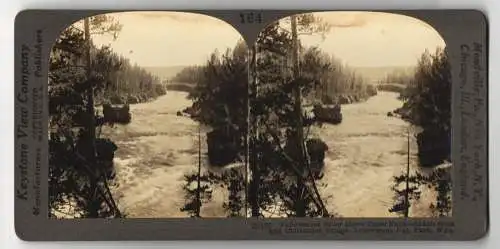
(249, 18)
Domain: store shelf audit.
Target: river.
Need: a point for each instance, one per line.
(365, 151)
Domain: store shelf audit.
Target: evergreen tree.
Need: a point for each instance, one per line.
(74, 180)
(220, 101)
(81, 163)
(279, 178)
(428, 106)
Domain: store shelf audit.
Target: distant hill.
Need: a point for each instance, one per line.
(375, 74)
(165, 73)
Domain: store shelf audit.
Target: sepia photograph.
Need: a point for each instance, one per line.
(133, 99)
(174, 115)
(351, 116)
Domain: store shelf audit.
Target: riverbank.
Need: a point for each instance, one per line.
(154, 153)
(181, 87)
(131, 98)
(392, 87)
(358, 171)
(158, 147)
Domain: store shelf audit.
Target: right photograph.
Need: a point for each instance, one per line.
(349, 117)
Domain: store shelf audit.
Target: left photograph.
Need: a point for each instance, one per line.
(143, 117)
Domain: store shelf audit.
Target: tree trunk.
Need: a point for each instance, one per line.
(198, 190)
(407, 190)
(254, 163)
(94, 199)
(300, 205)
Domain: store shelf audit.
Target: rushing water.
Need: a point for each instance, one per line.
(365, 151)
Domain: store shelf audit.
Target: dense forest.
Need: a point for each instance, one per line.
(82, 76)
(402, 77)
(282, 154)
(255, 99)
(396, 81)
(190, 74)
(341, 84)
(281, 179)
(186, 79)
(427, 105)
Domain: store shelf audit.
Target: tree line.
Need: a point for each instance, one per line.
(282, 160)
(396, 81)
(190, 75)
(427, 105)
(81, 76)
(275, 144)
(337, 82)
(130, 83)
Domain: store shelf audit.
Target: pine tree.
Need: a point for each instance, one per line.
(428, 106)
(82, 76)
(78, 177)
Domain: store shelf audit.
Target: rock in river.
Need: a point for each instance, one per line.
(328, 114)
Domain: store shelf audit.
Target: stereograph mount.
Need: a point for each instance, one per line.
(466, 35)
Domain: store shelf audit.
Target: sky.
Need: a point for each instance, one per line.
(362, 39)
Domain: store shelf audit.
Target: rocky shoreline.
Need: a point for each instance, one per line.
(433, 143)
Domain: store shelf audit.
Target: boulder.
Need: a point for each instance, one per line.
(188, 111)
(116, 100)
(434, 147)
(132, 99)
(118, 115)
(343, 99)
(316, 149)
(222, 147)
(328, 100)
(143, 98)
(404, 113)
(105, 150)
(328, 114)
(191, 111)
(371, 90)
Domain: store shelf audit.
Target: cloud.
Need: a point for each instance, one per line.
(357, 19)
(180, 17)
(345, 19)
